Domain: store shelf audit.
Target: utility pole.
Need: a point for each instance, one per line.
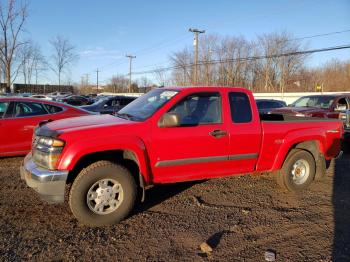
(87, 79)
(97, 80)
(196, 32)
(131, 57)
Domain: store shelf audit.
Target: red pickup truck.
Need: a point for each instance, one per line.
(171, 135)
(323, 106)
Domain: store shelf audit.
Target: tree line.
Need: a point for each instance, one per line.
(254, 64)
(22, 56)
(257, 65)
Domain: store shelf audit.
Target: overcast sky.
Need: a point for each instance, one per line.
(104, 31)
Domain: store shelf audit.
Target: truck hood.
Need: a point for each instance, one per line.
(300, 110)
(83, 122)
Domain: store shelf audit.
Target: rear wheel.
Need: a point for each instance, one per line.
(104, 193)
(298, 171)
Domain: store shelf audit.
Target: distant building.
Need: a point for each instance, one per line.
(41, 89)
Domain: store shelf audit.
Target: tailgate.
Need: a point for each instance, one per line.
(333, 141)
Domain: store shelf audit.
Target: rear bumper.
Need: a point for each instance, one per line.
(49, 184)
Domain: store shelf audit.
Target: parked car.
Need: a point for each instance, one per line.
(265, 106)
(172, 135)
(42, 97)
(25, 94)
(324, 106)
(345, 117)
(58, 94)
(109, 105)
(74, 100)
(19, 116)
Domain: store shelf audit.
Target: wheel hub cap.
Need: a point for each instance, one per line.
(104, 196)
(300, 171)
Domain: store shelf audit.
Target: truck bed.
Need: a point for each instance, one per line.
(292, 118)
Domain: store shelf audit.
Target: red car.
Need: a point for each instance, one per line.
(19, 116)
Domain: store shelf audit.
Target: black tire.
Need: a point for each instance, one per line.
(81, 206)
(296, 182)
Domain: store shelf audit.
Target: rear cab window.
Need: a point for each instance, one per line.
(241, 111)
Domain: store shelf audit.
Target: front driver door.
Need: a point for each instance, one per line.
(196, 149)
(26, 116)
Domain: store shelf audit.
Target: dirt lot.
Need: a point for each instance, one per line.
(240, 218)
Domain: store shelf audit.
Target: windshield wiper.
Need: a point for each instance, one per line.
(124, 116)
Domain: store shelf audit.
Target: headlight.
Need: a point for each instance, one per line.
(47, 151)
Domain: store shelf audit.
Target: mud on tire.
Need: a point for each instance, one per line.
(104, 193)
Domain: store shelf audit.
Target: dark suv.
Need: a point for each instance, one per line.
(109, 105)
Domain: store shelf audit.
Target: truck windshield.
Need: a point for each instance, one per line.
(314, 101)
(146, 105)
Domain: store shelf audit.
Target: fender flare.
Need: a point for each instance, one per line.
(299, 142)
(133, 148)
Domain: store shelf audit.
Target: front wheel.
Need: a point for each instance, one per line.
(298, 171)
(104, 193)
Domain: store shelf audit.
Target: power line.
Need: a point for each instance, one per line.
(156, 47)
(295, 39)
(319, 35)
(151, 49)
(250, 58)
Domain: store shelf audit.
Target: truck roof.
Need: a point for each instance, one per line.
(205, 88)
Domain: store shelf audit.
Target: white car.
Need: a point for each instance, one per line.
(42, 97)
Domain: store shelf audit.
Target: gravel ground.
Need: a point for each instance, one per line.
(240, 218)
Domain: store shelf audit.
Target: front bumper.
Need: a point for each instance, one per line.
(49, 184)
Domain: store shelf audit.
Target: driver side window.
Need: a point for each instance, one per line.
(25, 109)
(199, 109)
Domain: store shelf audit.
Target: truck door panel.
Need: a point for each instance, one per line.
(198, 147)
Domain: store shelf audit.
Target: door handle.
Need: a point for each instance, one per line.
(218, 133)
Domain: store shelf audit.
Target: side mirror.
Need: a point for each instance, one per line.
(169, 120)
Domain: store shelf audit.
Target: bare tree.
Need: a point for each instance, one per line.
(161, 77)
(234, 61)
(279, 71)
(12, 18)
(63, 55)
(32, 61)
(118, 84)
(182, 61)
(144, 82)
